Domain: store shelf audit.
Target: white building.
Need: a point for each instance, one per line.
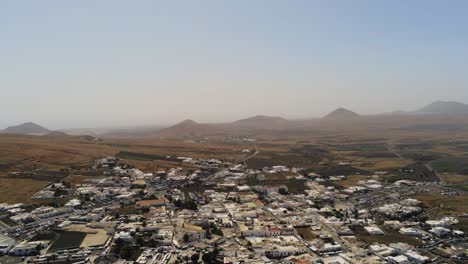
(328, 247)
(415, 257)
(6, 244)
(284, 251)
(410, 231)
(440, 231)
(125, 236)
(398, 260)
(382, 250)
(27, 248)
(44, 212)
(373, 230)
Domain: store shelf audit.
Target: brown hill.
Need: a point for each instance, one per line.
(261, 122)
(28, 128)
(340, 114)
(190, 129)
(444, 108)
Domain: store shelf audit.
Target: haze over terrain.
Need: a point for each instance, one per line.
(105, 64)
(439, 116)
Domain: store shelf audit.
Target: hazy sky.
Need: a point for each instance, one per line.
(68, 64)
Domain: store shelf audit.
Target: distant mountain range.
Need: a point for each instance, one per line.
(439, 114)
(428, 117)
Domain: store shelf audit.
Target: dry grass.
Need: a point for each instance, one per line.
(448, 150)
(454, 178)
(351, 180)
(376, 164)
(19, 152)
(447, 205)
(19, 190)
(28, 153)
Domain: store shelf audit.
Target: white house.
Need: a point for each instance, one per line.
(125, 236)
(398, 260)
(6, 244)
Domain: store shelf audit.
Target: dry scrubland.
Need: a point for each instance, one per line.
(447, 205)
(19, 190)
(47, 156)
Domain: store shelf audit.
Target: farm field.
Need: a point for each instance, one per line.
(444, 205)
(456, 165)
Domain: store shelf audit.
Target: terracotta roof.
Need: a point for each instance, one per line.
(145, 203)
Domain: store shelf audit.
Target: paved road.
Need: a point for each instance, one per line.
(430, 168)
(257, 151)
(394, 152)
(243, 160)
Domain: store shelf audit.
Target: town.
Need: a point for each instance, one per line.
(236, 132)
(212, 211)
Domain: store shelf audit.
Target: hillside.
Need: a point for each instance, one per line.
(340, 114)
(26, 129)
(189, 129)
(445, 108)
(261, 122)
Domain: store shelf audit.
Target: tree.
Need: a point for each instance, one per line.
(249, 244)
(186, 238)
(39, 247)
(60, 192)
(54, 204)
(140, 241)
(211, 257)
(126, 251)
(152, 243)
(195, 257)
(261, 197)
(52, 258)
(216, 231)
(191, 205)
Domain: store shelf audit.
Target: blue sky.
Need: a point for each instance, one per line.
(104, 63)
